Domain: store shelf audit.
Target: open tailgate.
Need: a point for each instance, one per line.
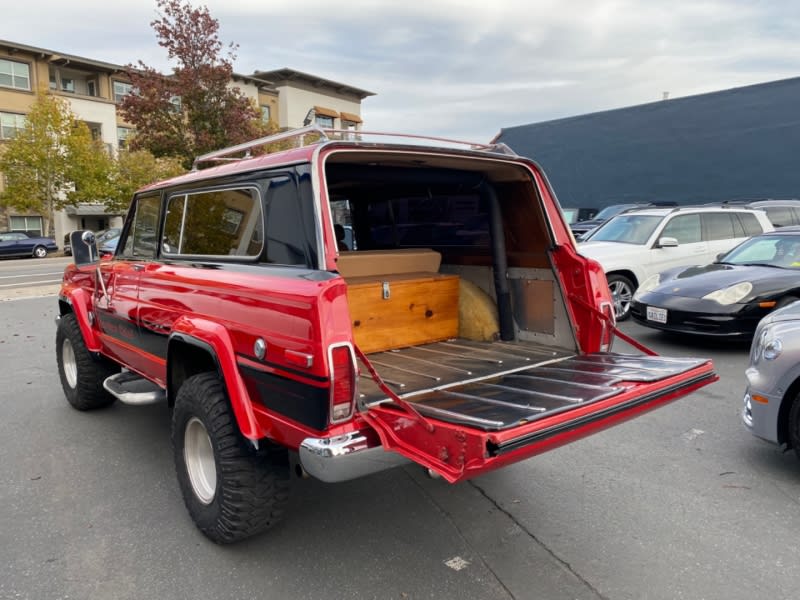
(465, 430)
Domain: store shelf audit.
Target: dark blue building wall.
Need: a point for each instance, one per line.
(738, 143)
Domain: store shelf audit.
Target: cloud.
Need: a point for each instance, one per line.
(462, 69)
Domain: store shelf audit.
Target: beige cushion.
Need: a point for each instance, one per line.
(372, 263)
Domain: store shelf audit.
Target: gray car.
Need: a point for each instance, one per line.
(772, 399)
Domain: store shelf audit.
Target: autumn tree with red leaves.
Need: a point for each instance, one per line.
(193, 110)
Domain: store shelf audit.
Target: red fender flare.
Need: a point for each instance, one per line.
(216, 337)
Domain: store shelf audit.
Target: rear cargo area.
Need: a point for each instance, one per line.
(482, 335)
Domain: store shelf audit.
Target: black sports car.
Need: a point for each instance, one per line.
(728, 297)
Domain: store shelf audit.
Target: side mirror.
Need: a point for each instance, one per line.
(84, 248)
(667, 242)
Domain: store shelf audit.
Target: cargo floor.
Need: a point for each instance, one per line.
(498, 385)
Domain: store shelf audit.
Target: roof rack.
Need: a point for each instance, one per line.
(326, 135)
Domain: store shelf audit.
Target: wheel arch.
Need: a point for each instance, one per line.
(187, 356)
(78, 302)
(783, 413)
(625, 273)
(210, 344)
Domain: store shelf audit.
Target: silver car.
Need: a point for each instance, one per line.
(772, 399)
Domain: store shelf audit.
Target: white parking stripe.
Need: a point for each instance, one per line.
(31, 275)
(28, 283)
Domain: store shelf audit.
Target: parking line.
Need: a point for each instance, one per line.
(29, 283)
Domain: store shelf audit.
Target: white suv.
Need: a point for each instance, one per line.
(635, 245)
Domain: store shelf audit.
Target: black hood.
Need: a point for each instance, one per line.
(696, 282)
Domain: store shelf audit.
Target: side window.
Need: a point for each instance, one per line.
(214, 223)
(750, 224)
(780, 216)
(141, 240)
(719, 226)
(291, 226)
(684, 228)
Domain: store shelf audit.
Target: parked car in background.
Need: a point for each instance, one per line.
(634, 246)
(20, 244)
(771, 401)
(581, 228)
(67, 245)
(781, 213)
(574, 215)
(727, 297)
(106, 240)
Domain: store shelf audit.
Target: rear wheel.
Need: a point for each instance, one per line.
(622, 290)
(40, 252)
(230, 490)
(82, 375)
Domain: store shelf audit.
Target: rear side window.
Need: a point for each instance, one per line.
(750, 223)
(781, 216)
(684, 228)
(719, 226)
(214, 223)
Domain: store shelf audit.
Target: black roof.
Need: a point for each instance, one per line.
(737, 143)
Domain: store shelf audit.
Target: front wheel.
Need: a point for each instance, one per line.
(40, 252)
(622, 290)
(794, 426)
(230, 490)
(82, 375)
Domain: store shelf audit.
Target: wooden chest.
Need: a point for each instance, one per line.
(395, 311)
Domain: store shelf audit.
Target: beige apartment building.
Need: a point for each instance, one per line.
(94, 88)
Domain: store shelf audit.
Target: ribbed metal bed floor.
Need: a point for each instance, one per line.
(498, 385)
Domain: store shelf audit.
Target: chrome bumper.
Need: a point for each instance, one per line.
(345, 457)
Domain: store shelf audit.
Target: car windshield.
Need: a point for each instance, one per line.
(570, 214)
(768, 250)
(627, 229)
(614, 209)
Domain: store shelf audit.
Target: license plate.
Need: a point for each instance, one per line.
(659, 315)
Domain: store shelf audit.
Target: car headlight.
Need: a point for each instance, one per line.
(647, 285)
(730, 295)
(767, 346)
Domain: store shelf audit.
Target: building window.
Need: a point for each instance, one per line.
(266, 116)
(29, 224)
(176, 105)
(10, 125)
(324, 121)
(121, 89)
(123, 133)
(91, 87)
(15, 74)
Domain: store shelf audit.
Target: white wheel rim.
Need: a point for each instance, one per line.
(198, 454)
(69, 364)
(41, 252)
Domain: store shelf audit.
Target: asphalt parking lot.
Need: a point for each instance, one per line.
(680, 503)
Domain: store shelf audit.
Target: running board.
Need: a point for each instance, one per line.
(130, 388)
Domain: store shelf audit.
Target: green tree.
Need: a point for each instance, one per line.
(135, 169)
(53, 162)
(193, 110)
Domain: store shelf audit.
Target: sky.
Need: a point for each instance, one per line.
(464, 69)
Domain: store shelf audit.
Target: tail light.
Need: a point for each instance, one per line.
(344, 380)
(607, 332)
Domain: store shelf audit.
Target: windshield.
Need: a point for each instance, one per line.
(628, 229)
(769, 250)
(614, 209)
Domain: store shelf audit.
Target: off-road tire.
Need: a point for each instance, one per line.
(622, 290)
(241, 491)
(82, 374)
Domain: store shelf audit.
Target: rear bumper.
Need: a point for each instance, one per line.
(346, 457)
